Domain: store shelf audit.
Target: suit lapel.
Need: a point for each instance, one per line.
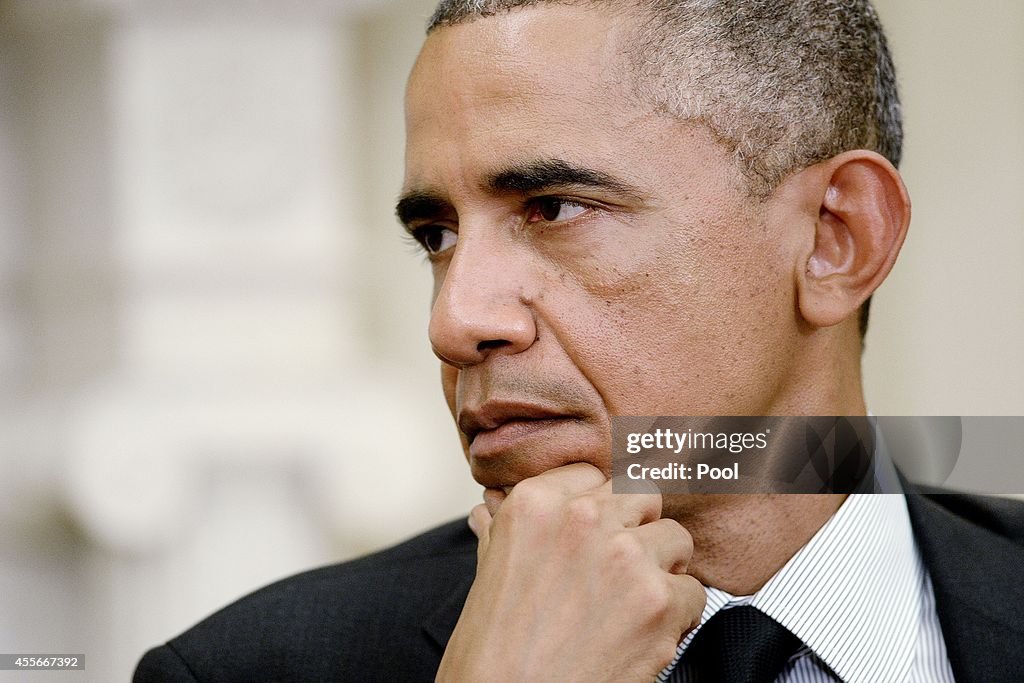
(976, 575)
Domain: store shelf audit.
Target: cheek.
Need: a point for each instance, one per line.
(449, 381)
(690, 325)
(449, 384)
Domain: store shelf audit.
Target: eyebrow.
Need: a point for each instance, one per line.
(523, 178)
(418, 205)
(545, 174)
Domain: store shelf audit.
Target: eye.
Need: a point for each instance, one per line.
(554, 210)
(435, 238)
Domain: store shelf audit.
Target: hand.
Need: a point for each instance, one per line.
(574, 583)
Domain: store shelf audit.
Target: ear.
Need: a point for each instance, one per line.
(863, 216)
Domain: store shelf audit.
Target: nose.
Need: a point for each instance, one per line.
(480, 308)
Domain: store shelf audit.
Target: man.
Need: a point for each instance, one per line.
(660, 207)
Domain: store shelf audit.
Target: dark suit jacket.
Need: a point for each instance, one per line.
(387, 617)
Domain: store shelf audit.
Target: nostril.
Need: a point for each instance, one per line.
(489, 344)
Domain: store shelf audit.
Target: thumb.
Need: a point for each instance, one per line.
(480, 523)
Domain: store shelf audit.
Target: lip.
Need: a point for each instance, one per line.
(496, 425)
(492, 442)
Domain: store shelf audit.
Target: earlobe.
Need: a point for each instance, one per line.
(863, 216)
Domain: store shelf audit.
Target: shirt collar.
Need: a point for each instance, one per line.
(851, 594)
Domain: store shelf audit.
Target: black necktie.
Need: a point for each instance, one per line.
(740, 645)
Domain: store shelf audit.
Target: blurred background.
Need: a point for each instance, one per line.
(214, 369)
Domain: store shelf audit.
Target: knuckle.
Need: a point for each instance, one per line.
(626, 550)
(528, 496)
(583, 512)
(656, 598)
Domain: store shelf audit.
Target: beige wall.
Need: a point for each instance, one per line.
(213, 360)
(947, 330)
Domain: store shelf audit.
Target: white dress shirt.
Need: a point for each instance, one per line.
(857, 595)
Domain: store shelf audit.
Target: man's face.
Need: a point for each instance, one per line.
(592, 257)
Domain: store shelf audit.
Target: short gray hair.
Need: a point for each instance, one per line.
(784, 83)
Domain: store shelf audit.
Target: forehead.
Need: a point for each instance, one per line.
(548, 80)
(545, 45)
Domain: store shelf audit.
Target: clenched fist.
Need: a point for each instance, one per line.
(574, 583)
